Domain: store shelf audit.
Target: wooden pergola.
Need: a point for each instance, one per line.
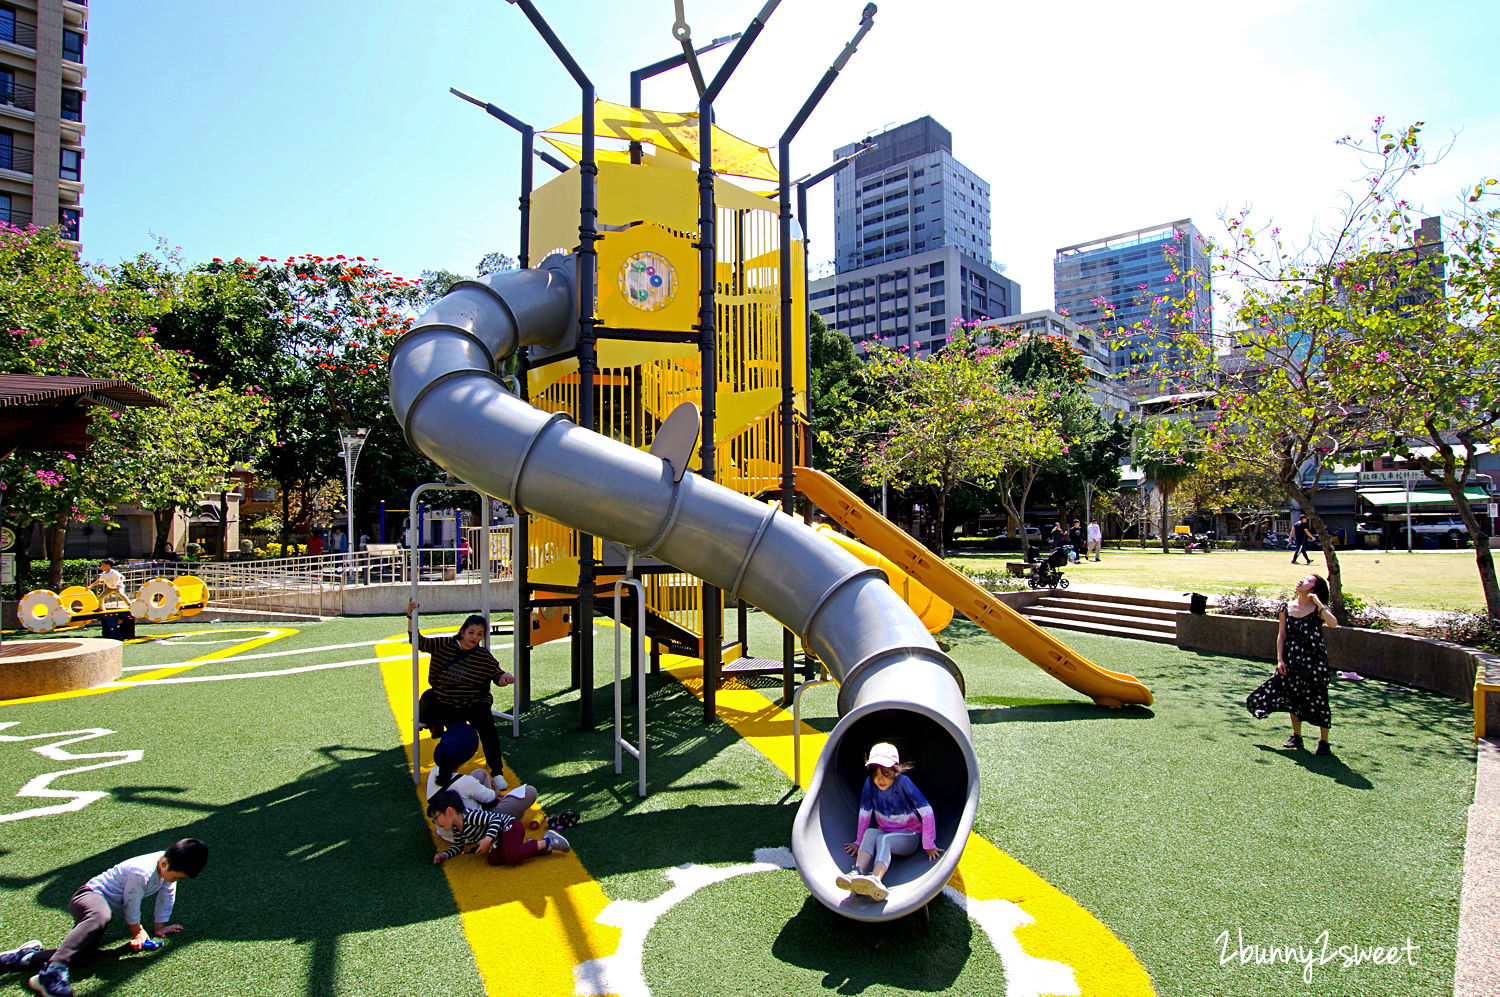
(52, 413)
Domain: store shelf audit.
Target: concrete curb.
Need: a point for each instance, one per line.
(1477, 966)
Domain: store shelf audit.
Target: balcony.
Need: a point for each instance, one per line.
(18, 32)
(18, 160)
(15, 216)
(18, 95)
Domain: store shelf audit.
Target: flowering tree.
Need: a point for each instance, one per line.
(1431, 356)
(310, 334)
(946, 419)
(66, 318)
(1300, 385)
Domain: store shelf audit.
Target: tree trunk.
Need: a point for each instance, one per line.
(163, 518)
(1304, 500)
(1166, 496)
(286, 517)
(223, 526)
(59, 533)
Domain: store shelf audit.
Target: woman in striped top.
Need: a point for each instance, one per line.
(460, 673)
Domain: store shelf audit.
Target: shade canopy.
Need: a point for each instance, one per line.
(1384, 497)
(673, 131)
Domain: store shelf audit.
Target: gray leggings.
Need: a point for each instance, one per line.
(884, 844)
(90, 917)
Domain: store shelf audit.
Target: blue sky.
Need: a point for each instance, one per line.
(325, 126)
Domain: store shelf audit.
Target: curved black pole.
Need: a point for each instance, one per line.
(788, 395)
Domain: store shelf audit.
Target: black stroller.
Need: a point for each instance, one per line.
(1047, 572)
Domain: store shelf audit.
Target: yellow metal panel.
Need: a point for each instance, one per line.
(554, 216)
(563, 571)
(624, 353)
(655, 263)
(539, 379)
(665, 197)
(799, 328)
(676, 131)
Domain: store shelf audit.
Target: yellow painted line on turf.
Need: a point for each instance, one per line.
(1062, 930)
(528, 925)
(268, 634)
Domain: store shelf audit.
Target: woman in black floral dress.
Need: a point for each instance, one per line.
(1300, 685)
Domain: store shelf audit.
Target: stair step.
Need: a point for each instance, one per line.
(1100, 628)
(1108, 619)
(1114, 608)
(1155, 602)
(753, 666)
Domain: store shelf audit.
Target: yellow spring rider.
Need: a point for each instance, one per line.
(159, 600)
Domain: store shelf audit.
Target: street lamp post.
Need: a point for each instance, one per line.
(353, 441)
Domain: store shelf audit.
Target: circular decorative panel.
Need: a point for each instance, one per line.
(648, 281)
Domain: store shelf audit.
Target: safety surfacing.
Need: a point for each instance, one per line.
(1176, 850)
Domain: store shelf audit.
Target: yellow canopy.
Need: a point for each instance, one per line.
(673, 130)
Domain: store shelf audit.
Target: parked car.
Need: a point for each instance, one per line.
(1452, 529)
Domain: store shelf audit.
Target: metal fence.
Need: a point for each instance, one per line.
(315, 586)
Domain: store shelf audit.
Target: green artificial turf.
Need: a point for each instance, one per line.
(1171, 824)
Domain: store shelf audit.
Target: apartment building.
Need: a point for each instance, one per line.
(911, 243)
(41, 112)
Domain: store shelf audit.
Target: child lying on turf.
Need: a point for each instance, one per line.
(118, 890)
(499, 837)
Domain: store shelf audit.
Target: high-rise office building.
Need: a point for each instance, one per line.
(1119, 286)
(41, 112)
(911, 242)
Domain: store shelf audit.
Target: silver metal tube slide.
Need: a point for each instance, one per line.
(895, 684)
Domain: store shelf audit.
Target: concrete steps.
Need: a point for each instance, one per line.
(1118, 614)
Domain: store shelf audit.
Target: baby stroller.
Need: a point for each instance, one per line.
(1047, 572)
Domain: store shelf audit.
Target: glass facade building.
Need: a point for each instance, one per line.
(1118, 286)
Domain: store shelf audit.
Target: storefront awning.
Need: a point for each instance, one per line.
(1385, 497)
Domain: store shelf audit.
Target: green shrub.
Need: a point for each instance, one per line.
(1461, 626)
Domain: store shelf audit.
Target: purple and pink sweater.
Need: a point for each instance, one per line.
(900, 808)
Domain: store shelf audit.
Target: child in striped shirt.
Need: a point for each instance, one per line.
(499, 837)
(902, 819)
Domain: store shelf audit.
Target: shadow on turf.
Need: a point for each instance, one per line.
(925, 952)
(341, 849)
(1324, 765)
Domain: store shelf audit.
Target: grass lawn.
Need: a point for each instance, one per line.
(1173, 826)
(1433, 579)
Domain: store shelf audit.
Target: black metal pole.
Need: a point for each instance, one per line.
(588, 234)
(788, 394)
(707, 342)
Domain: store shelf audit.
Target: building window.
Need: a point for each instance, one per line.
(72, 46)
(69, 218)
(937, 269)
(937, 307)
(5, 208)
(937, 286)
(70, 166)
(72, 104)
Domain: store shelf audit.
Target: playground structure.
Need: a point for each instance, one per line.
(569, 451)
(158, 600)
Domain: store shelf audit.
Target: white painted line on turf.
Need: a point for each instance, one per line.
(41, 785)
(259, 675)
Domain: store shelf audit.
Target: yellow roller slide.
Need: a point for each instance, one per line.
(1105, 687)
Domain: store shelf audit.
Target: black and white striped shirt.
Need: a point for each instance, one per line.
(478, 824)
(459, 677)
